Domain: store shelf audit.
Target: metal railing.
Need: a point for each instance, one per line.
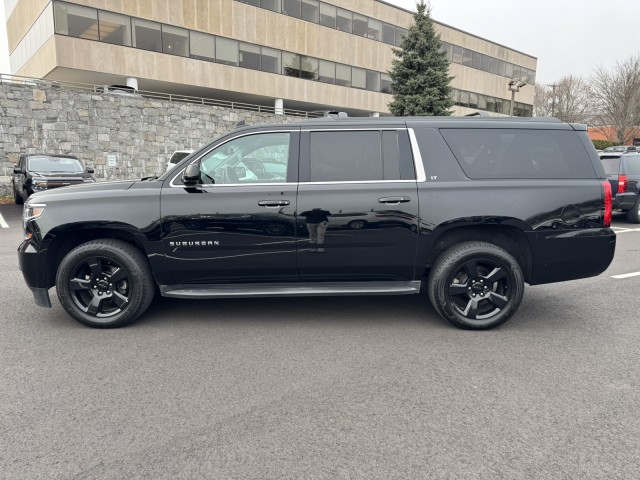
(170, 97)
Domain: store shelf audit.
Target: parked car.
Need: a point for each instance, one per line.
(472, 208)
(38, 172)
(623, 172)
(176, 157)
(620, 149)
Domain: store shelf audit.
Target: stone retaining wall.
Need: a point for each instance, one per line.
(140, 134)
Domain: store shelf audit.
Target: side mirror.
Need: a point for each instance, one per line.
(90, 170)
(17, 169)
(191, 174)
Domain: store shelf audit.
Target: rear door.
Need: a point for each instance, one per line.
(357, 213)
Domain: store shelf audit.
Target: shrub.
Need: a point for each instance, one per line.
(602, 144)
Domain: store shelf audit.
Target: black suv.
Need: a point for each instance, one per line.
(37, 172)
(471, 207)
(623, 172)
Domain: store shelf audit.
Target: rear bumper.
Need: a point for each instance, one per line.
(560, 256)
(625, 201)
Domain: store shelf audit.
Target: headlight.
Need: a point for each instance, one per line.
(40, 184)
(32, 211)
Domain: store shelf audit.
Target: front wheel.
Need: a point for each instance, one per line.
(105, 283)
(476, 285)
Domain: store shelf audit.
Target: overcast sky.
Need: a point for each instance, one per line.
(567, 36)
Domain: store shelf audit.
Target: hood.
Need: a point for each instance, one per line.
(81, 191)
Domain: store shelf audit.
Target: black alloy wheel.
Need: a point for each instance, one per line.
(105, 283)
(476, 285)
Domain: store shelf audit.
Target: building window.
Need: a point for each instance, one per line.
(360, 25)
(343, 75)
(291, 8)
(374, 31)
(309, 68)
(76, 21)
(249, 56)
(175, 40)
(203, 46)
(271, 60)
(273, 5)
(388, 34)
(226, 51)
(309, 10)
(467, 57)
(327, 15)
(457, 54)
(114, 28)
(373, 81)
(358, 77)
(476, 62)
(290, 64)
(146, 35)
(400, 33)
(344, 19)
(327, 72)
(385, 83)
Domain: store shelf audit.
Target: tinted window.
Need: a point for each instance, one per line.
(115, 28)
(354, 156)
(76, 21)
(516, 153)
(146, 35)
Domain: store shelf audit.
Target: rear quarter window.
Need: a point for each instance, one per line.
(519, 153)
(632, 165)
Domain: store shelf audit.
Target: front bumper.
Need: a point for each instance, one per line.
(625, 201)
(32, 265)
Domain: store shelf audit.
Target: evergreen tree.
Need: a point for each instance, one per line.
(420, 73)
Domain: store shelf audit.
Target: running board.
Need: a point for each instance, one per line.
(290, 289)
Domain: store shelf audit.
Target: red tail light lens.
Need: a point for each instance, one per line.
(622, 183)
(608, 203)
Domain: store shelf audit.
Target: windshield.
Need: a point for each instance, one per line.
(55, 165)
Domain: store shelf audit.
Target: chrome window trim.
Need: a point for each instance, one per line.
(421, 176)
(357, 182)
(197, 159)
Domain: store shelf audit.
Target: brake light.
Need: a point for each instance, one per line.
(608, 203)
(622, 183)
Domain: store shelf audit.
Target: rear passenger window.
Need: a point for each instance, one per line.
(519, 153)
(354, 156)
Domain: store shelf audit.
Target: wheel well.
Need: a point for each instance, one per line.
(511, 239)
(60, 245)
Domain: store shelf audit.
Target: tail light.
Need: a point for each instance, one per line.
(622, 183)
(608, 203)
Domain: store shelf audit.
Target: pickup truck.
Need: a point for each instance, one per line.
(469, 209)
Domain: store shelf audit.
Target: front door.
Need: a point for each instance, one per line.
(357, 206)
(238, 225)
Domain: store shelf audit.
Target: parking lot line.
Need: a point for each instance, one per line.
(625, 230)
(626, 275)
(3, 224)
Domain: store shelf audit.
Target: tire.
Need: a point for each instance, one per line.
(633, 215)
(357, 224)
(476, 285)
(86, 277)
(17, 197)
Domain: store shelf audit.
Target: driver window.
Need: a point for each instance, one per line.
(258, 158)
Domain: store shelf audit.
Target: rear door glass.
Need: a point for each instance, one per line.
(519, 153)
(611, 165)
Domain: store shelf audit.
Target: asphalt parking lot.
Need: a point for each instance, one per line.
(340, 388)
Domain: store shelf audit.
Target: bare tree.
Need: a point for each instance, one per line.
(617, 99)
(567, 99)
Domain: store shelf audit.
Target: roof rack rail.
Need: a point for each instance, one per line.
(477, 114)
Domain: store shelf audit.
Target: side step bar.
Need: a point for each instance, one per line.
(311, 289)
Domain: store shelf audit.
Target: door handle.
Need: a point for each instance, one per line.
(273, 203)
(394, 200)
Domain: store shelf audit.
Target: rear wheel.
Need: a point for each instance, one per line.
(105, 283)
(633, 215)
(476, 285)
